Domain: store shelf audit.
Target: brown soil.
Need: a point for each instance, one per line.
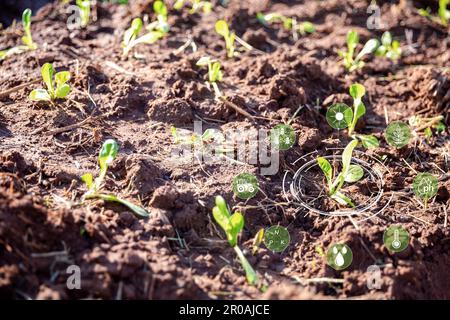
(179, 252)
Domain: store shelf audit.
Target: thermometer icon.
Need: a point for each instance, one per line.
(396, 243)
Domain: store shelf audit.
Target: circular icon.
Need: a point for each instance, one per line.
(276, 238)
(339, 256)
(245, 186)
(397, 134)
(282, 136)
(396, 238)
(339, 116)
(425, 185)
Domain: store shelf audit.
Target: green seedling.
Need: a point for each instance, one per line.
(352, 63)
(233, 225)
(257, 241)
(443, 13)
(106, 156)
(349, 173)
(214, 73)
(427, 124)
(57, 88)
(389, 48)
(131, 39)
(161, 25)
(197, 5)
(343, 116)
(290, 24)
(26, 22)
(222, 29)
(211, 138)
(85, 11)
(27, 40)
(230, 37)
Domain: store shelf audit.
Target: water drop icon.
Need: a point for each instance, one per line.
(339, 261)
(339, 256)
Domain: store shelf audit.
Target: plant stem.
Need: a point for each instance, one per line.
(250, 274)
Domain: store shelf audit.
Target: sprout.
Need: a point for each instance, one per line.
(27, 40)
(57, 89)
(340, 116)
(211, 139)
(257, 240)
(388, 48)
(106, 156)
(130, 37)
(351, 63)
(161, 24)
(26, 22)
(427, 124)
(443, 13)
(222, 29)
(230, 37)
(85, 10)
(287, 23)
(197, 5)
(233, 225)
(214, 73)
(349, 173)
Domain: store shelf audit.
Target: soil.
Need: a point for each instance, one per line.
(179, 252)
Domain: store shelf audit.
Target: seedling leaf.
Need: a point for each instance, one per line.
(61, 78)
(88, 180)
(352, 41)
(149, 38)
(327, 169)
(222, 28)
(355, 173)
(257, 240)
(369, 47)
(216, 74)
(108, 153)
(140, 212)
(369, 141)
(203, 61)
(237, 224)
(357, 91)
(386, 39)
(62, 91)
(26, 18)
(342, 199)
(347, 156)
(160, 8)
(250, 274)
(40, 95)
(47, 76)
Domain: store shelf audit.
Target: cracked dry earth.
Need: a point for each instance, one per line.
(179, 252)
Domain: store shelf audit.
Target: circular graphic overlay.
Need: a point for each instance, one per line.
(276, 238)
(339, 116)
(396, 238)
(397, 134)
(305, 185)
(425, 185)
(282, 137)
(245, 186)
(339, 256)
